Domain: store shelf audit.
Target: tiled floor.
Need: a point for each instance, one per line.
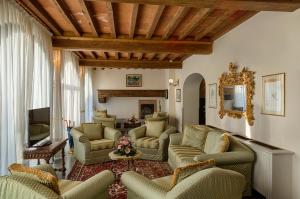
(70, 160)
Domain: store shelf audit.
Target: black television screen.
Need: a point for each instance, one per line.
(39, 126)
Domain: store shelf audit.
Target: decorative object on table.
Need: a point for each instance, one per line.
(69, 125)
(133, 119)
(273, 93)
(125, 147)
(178, 95)
(212, 89)
(133, 80)
(236, 90)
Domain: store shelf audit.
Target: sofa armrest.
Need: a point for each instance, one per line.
(166, 134)
(92, 187)
(176, 138)
(142, 186)
(138, 132)
(81, 139)
(112, 134)
(227, 158)
(47, 168)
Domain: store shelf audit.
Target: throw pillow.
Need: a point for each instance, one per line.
(155, 115)
(194, 137)
(181, 173)
(101, 113)
(154, 128)
(219, 145)
(40, 176)
(93, 131)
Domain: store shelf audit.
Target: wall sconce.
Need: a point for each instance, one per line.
(173, 82)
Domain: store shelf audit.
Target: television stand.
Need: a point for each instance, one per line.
(47, 152)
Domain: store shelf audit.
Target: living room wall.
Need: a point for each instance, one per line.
(268, 43)
(124, 107)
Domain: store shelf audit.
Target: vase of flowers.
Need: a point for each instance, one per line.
(125, 147)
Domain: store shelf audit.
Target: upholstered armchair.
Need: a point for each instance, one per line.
(152, 141)
(157, 116)
(105, 119)
(212, 183)
(25, 187)
(93, 145)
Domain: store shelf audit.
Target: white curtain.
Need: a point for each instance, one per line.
(88, 95)
(25, 49)
(70, 88)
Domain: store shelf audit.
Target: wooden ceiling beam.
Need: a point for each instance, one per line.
(172, 25)
(214, 24)
(140, 56)
(104, 55)
(67, 15)
(110, 13)
(162, 57)
(117, 55)
(151, 57)
(128, 55)
(88, 13)
(234, 24)
(254, 5)
(197, 19)
(78, 55)
(134, 14)
(129, 45)
(36, 10)
(155, 21)
(124, 63)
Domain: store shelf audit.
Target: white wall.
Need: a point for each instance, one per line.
(268, 43)
(125, 107)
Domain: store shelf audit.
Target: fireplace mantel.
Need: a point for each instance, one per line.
(104, 94)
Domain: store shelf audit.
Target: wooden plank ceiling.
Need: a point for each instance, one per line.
(143, 33)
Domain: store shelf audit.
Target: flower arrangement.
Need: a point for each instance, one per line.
(125, 147)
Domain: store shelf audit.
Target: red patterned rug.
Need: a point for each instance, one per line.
(149, 169)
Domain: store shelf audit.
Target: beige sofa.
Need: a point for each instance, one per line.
(238, 158)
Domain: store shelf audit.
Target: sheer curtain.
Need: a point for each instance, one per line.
(70, 87)
(88, 95)
(24, 55)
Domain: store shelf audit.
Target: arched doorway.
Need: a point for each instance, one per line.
(194, 99)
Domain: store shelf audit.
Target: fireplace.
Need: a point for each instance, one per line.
(147, 107)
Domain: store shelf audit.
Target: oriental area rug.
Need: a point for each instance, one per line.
(149, 169)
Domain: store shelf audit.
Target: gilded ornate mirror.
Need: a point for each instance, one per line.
(236, 90)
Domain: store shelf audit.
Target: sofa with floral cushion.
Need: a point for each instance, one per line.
(25, 185)
(93, 142)
(199, 143)
(152, 139)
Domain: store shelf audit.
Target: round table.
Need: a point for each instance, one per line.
(129, 159)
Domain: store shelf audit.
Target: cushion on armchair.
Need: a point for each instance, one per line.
(181, 173)
(147, 142)
(194, 137)
(37, 175)
(216, 142)
(154, 128)
(102, 144)
(93, 131)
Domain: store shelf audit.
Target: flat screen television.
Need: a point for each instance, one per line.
(39, 127)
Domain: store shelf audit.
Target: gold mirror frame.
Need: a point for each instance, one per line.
(231, 78)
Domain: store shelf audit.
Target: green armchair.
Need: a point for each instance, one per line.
(157, 116)
(22, 187)
(213, 183)
(153, 148)
(94, 151)
(101, 116)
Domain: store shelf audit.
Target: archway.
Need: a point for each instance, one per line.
(194, 99)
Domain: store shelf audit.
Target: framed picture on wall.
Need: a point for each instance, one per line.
(212, 92)
(178, 95)
(273, 94)
(134, 80)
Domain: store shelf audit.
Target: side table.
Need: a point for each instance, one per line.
(47, 152)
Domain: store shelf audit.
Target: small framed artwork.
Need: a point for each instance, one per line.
(133, 80)
(178, 95)
(273, 94)
(212, 91)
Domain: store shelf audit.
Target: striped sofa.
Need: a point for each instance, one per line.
(238, 158)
